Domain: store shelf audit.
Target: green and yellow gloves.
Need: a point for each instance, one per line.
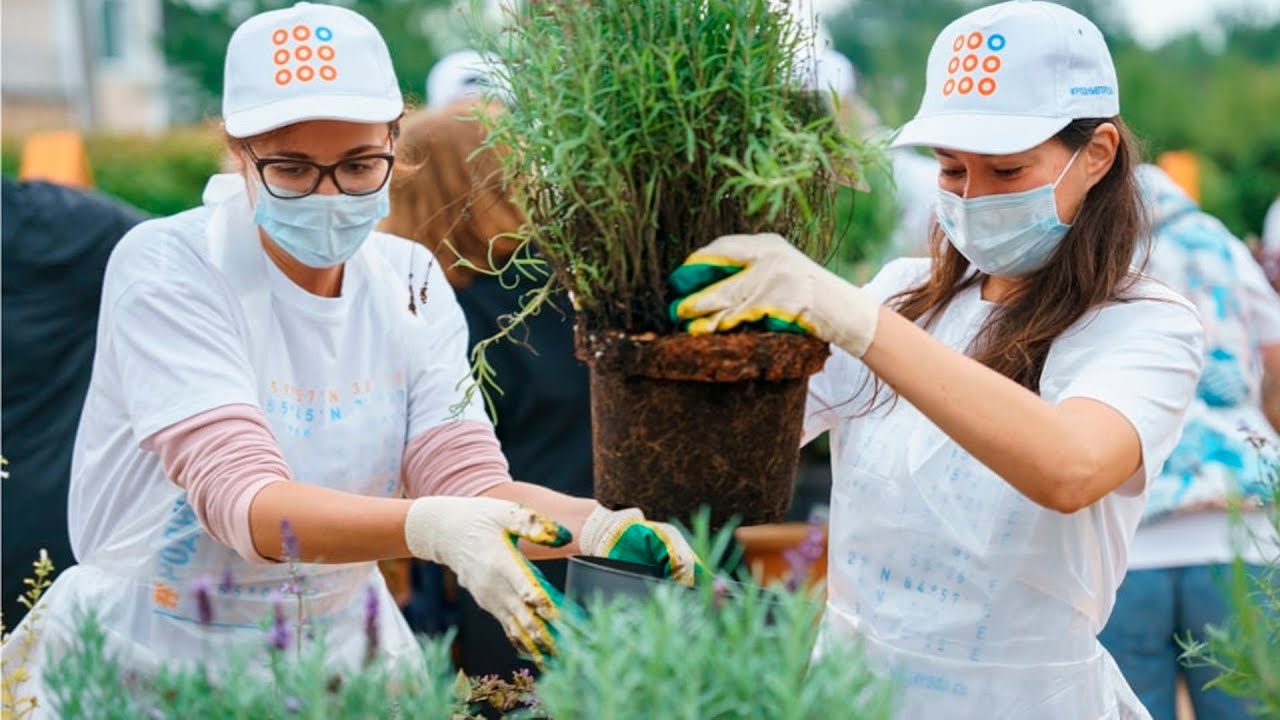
(742, 279)
(476, 537)
(626, 535)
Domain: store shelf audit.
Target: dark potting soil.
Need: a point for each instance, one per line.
(679, 421)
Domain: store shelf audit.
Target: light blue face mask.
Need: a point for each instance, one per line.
(1006, 235)
(320, 231)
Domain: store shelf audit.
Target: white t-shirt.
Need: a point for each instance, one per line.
(927, 543)
(194, 317)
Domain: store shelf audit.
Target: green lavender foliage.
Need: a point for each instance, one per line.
(640, 131)
(1245, 649)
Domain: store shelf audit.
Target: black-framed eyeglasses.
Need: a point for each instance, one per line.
(290, 178)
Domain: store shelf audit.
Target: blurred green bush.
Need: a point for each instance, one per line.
(161, 175)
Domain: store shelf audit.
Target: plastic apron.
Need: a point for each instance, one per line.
(976, 598)
(145, 603)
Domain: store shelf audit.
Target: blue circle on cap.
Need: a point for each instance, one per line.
(324, 34)
(996, 42)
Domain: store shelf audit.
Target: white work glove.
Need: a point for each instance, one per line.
(476, 537)
(777, 283)
(626, 535)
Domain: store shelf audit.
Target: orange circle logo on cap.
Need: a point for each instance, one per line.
(949, 86)
(975, 40)
(970, 63)
(280, 36)
(303, 53)
(986, 86)
(991, 64)
(954, 65)
(301, 33)
(305, 73)
(966, 85)
(283, 76)
(325, 52)
(328, 73)
(281, 57)
(958, 44)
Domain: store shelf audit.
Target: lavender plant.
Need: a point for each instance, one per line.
(743, 654)
(726, 650)
(637, 132)
(1243, 650)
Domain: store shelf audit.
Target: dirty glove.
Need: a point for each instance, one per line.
(476, 537)
(762, 278)
(625, 535)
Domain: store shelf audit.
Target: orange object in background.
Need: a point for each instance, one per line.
(397, 573)
(1184, 167)
(57, 157)
(763, 547)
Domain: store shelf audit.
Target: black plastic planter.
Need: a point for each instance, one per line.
(590, 577)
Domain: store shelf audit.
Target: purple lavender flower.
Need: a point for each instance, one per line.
(719, 592)
(801, 558)
(278, 636)
(228, 583)
(289, 541)
(292, 705)
(203, 587)
(370, 624)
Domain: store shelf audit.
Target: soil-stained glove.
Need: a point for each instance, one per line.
(476, 537)
(625, 535)
(762, 278)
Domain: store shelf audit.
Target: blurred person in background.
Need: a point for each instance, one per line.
(56, 241)
(456, 203)
(1180, 557)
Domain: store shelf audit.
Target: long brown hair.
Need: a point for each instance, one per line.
(1092, 267)
(453, 199)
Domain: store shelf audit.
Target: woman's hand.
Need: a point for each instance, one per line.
(762, 278)
(626, 535)
(476, 537)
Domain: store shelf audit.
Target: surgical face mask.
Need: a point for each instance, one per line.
(320, 231)
(1006, 235)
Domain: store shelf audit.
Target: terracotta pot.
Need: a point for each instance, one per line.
(763, 547)
(680, 421)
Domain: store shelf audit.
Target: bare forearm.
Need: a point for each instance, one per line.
(331, 526)
(1034, 446)
(567, 510)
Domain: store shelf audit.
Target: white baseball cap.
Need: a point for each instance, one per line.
(1007, 77)
(307, 62)
(465, 73)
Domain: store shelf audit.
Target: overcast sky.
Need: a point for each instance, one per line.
(1152, 21)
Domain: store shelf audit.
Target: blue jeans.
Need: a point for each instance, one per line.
(1151, 607)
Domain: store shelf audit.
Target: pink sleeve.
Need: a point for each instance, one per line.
(222, 458)
(461, 458)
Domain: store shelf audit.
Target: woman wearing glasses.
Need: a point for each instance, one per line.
(270, 410)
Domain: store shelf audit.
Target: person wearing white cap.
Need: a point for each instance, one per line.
(998, 409)
(264, 391)
(460, 74)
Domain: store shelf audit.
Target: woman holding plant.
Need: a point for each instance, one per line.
(264, 391)
(997, 410)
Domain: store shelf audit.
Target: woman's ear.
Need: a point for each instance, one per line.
(1100, 152)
